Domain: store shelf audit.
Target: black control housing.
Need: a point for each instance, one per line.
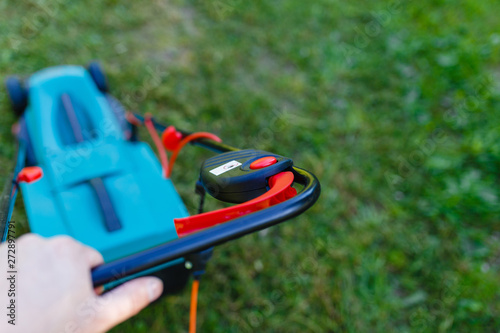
(239, 183)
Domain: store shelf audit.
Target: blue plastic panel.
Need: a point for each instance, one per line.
(63, 201)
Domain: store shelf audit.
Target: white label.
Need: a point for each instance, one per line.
(225, 167)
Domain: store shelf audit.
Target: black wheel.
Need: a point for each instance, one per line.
(18, 94)
(97, 74)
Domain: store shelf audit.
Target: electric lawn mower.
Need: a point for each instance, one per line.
(83, 172)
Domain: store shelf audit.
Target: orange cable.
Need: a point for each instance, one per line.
(194, 302)
(159, 146)
(131, 118)
(166, 164)
(190, 137)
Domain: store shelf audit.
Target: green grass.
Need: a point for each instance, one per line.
(393, 105)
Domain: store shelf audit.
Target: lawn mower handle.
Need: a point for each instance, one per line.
(221, 233)
(216, 235)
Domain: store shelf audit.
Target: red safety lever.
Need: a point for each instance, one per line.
(30, 174)
(279, 190)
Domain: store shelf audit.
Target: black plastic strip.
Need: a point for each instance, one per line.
(111, 220)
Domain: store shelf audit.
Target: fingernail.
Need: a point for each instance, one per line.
(155, 287)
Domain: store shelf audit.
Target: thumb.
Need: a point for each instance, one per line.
(127, 300)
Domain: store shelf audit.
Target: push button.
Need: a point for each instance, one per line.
(263, 162)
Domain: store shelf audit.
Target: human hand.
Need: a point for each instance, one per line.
(54, 291)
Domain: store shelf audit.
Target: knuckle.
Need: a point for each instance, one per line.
(62, 239)
(93, 255)
(63, 243)
(31, 237)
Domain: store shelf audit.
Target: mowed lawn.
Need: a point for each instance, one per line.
(394, 105)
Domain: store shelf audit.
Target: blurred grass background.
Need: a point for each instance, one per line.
(394, 105)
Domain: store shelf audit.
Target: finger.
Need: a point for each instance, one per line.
(92, 256)
(127, 300)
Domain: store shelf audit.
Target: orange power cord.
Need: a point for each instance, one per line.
(194, 302)
(159, 146)
(166, 164)
(187, 139)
